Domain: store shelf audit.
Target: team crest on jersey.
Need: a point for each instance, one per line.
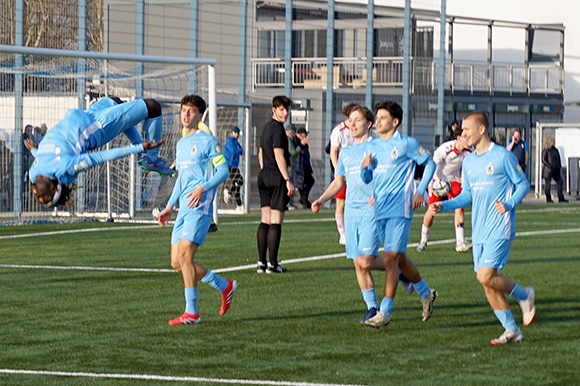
(395, 153)
(519, 168)
(489, 169)
(217, 148)
(421, 150)
(194, 150)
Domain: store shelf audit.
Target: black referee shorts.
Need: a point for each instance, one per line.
(272, 188)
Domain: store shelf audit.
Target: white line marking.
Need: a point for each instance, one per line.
(167, 378)
(253, 266)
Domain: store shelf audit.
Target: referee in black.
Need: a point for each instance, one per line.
(274, 185)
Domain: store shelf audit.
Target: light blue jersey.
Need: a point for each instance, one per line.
(62, 154)
(393, 172)
(487, 177)
(358, 192)
(196, 157)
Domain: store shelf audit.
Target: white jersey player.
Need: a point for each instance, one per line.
(448, 157)
(340, 138)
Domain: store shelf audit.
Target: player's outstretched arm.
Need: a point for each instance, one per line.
(152, 144)
(331, 191)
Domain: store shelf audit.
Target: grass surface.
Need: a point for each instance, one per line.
(298, 327)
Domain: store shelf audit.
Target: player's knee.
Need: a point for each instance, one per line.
(363, 263)
(176, 266)
(153, 108)
(484, 277)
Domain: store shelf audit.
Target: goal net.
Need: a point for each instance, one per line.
(37, 87)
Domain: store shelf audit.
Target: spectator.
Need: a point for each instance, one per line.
(552, 170)
(38, 135)
(232, 151)
(294, 170)
(519, 148)
(450, 135)
(307, 171)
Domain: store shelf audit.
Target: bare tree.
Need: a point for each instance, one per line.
(52, 24)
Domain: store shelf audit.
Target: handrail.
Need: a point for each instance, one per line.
(462, 76)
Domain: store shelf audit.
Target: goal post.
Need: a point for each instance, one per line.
(37, 86)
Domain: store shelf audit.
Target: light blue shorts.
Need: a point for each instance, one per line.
(492, 254)
(394, 233)
(362, 237)
(190, 225)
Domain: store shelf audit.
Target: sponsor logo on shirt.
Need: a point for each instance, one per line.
(421, 150)
(519, 168)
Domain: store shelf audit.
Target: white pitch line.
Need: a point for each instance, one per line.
(166, 378)
(253, 266)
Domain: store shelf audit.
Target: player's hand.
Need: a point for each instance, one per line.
(435, 208)
(500, 207)
(418, 201)
(316, 206)
(152, 144)
(163, 216)
(290, 187)
(29, 143)
(195, 197)
(367, 161)
(372, 200)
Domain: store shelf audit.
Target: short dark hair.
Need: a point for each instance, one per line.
(479, 116)
(393, 108)
(194, 100)
(282, 100)
(346, 110)
(365, 112)
(458, 131)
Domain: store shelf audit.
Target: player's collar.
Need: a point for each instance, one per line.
(55, 198)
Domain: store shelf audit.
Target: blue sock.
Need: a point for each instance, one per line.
(370, 298)
(153, 127)
(191, 300)
(387, 306)
(506, 319)
(215, 281)
(422, 289)
(519, 293)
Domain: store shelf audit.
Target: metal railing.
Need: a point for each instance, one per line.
(472, 77)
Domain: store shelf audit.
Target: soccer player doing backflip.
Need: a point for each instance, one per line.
(64, 151)
(493, 183)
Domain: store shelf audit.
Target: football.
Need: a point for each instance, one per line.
(441, 187)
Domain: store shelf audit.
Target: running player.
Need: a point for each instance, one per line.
(448, 158)
(362, 239)
(489, 177)
(391, 164)
(202, 167)
(64, 151)
(340, 137)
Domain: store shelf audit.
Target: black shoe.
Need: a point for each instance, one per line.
(549, 201)
(277, 269)
(212, 227)
(562, 200)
